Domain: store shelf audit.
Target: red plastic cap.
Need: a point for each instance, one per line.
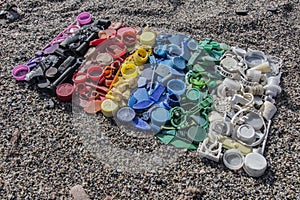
(64, 92)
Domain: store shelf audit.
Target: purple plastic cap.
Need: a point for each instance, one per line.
(84, 18)
(19, 72)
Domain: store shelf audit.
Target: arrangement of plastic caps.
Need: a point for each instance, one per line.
(196, 95)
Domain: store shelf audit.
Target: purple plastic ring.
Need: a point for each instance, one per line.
(84, 18)
(19, 72)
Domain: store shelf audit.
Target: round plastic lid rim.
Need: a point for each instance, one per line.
(65, 94)
(84, 18)
(177, 82)
(238, 154)
(126, 118)
(19, 68)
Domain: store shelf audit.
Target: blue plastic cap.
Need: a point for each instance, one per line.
(159, 116)
(161, 51)
(178, 63)
(125, 114)
(192, 45)
(176, 86)
(172, 100)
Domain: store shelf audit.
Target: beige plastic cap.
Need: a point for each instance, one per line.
(148, 38)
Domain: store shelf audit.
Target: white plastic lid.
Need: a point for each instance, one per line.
(230, 64)
(255, 164)
(233, 159)
(246, 133)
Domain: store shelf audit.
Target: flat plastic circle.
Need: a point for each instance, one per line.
(64, 92)
(254, 120)
(176, 86)
(246, 133)
(233, 159)
(79, 77)
(254, 58)
(196, 133)
(125, 114)
(104, 59)
(95, 73)
(193, 94)
(255, 164)
(159, 116)
(230, 64)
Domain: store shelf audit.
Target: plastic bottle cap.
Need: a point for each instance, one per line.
(104, 59)
(254, 120)
(159, 116)
(140, 57)
(173, 100)
(108, 107)
(246, 133)
(125, 114)
(192, 45)
(64, 92)
(220, 127)
(255, 164)
(129, 70)
(254, 58)
(176, 86)
(95, 73)
(19, 72)
(233, 159)
(84, 18)
(178, 63)
(193, 94)
(147, 38)
(230, 64)
(196, 133)
(129, 38)
(79, 77)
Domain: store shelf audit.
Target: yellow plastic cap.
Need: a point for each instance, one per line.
(108, 107)
(129, 70)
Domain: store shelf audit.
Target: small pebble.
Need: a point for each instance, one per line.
(49, 104)
(78, 193)
(241, 12)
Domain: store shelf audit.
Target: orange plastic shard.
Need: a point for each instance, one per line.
(93, 106)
